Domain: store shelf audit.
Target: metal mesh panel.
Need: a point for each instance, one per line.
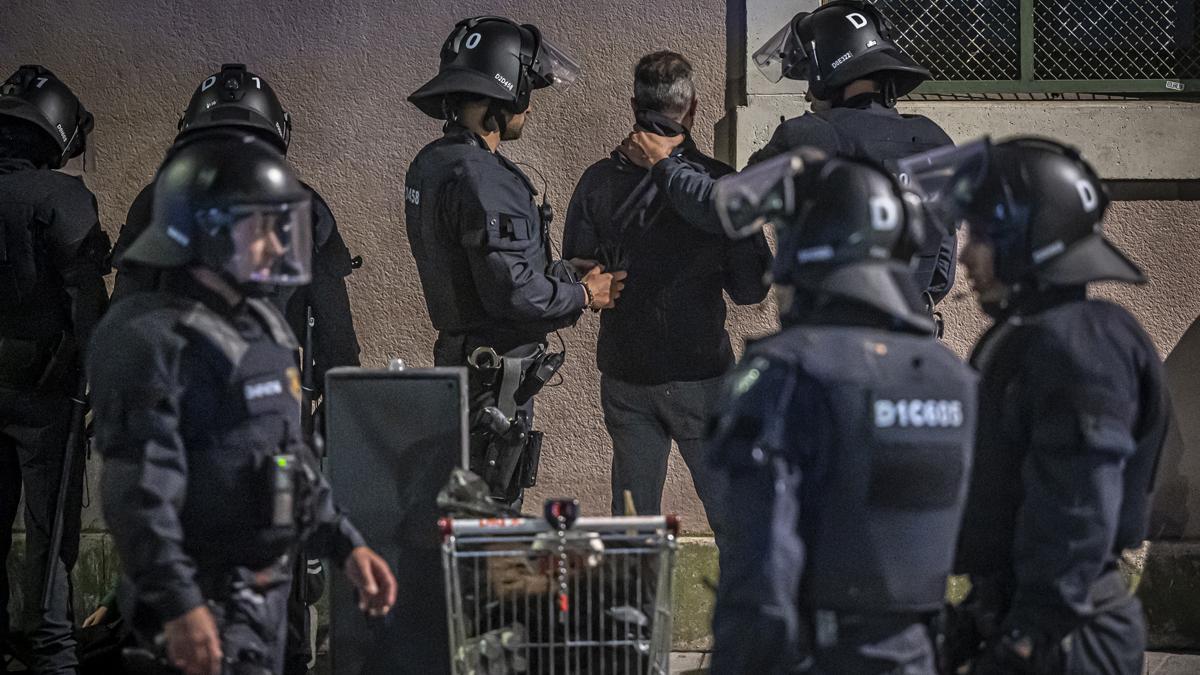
(959, 39)
(1115, 40)
(593, 600)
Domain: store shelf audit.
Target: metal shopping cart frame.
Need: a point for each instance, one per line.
(590, 596)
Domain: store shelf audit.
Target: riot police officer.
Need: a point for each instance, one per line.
(846, 52)
(481, 244)
(208, 484)
(318, 312)
(51, 278)
(1072, 416)
(237, 98)
(846, 437)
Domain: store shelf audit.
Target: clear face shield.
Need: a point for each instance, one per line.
(776, 54)
(747, 201)
(82, 164)
(272, 243)
(554, 67)
(948, 179)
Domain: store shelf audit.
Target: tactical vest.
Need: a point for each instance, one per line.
(883, 497)
(236, 419)
(28, 282)
(438, 243)
(856, 136)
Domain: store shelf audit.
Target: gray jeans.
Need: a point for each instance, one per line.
(642, 421)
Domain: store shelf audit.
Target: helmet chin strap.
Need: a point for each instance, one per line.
(496, 112)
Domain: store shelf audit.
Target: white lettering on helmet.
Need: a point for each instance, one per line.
(473, 40)
(1087, 194)
(208, 83)
(179, 237)
(885, 214)
(816, 254)
(61, 132)
(1048, 251)
(857, 20)
(842, 59)
(412, 196)
(504, 82)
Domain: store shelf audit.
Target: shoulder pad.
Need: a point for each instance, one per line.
(137, 333)
(750, 400)
(323, 222)
(222, 336)
(276, 324)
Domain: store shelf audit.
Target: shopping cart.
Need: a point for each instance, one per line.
(559, 595)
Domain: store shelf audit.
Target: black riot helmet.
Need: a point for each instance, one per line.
(35, 96)
(1036, 201)
(236, 97)
(494, 57)
(847, 229)
(228, 200)
(838, 43)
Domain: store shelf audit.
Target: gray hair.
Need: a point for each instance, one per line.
(662, 82)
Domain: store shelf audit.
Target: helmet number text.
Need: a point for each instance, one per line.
(1087, 195)
(885, 214)
(473, 40)
(41, 82)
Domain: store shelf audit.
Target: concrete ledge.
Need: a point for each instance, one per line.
(1125, 140)
(1170, 591)
(95, 573)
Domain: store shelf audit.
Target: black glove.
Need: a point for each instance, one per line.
(1018, 654)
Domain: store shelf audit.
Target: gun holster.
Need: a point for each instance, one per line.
(510, 460)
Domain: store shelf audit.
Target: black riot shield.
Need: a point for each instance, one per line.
(393, 438)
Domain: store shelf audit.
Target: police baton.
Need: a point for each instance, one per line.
(74, 445)
(307, 376)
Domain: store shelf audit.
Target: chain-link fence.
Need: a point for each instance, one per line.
(1115, 40)
(1010, 46)
(959, 39)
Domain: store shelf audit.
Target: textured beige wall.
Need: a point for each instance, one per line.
(344, 69)
(1162, 237)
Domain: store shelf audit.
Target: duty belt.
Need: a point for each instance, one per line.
(830, 626)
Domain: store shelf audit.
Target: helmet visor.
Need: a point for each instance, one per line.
(747, 201)
(949, 179)
(780, 54)
(272, 243)
(82, 164)
(554, 68)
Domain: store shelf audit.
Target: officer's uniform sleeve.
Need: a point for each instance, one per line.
(806, 131)
(1080, 410)
(336, 342)
(143, 483)
(747, 262)
(579, 230)
(80, 252)
(334, 535)
(690, 191)
(762, 562)
(502, 237)
(133, 278)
